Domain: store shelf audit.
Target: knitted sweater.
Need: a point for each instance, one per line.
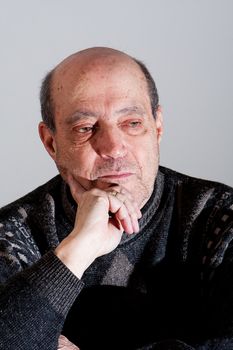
(167, 287)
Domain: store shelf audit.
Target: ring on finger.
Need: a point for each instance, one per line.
(120, 197)
(113, 193)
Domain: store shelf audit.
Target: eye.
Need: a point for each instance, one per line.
(135, 124)
(84, 129)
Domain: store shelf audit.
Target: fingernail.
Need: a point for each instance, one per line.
(137, 227)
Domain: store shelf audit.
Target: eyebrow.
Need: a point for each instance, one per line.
(80, 115)
(131, 110)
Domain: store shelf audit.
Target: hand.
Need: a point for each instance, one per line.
(65, 344)
(95, 232)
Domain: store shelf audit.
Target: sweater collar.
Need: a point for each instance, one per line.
(149, 209)
(152, 204)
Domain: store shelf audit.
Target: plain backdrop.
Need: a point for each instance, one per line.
(186, 44)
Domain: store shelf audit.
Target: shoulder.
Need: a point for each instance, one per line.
(32, 201)
(193, 186)
(23, 228)
(210, 204)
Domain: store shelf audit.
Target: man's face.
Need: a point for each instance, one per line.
(105, 131)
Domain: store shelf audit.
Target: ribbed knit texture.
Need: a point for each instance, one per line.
(167, 287)
(49, 274)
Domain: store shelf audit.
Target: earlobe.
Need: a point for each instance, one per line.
(48, 140)
(159, 123)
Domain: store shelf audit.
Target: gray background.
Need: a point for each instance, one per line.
(187, 45)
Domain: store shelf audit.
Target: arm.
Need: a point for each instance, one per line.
(35, 302)
(95, 232)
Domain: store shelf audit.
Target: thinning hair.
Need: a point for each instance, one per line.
(47, 102)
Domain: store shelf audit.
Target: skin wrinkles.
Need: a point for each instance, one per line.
(110, 165)
(80, 115)
(107, 90)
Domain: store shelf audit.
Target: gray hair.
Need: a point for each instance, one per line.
(47, 103)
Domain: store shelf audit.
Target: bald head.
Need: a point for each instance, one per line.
(76, 68)
(93, 56)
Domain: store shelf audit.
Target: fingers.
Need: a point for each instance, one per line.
(128, 214)
(121, 203)
(125, 209)
(129, 202)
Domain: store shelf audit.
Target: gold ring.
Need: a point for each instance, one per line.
(114, 193)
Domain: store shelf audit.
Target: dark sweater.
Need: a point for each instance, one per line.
(169, 285)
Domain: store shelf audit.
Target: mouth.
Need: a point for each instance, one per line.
(115, 176)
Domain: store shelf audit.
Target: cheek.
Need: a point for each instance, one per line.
(148, 147)
(148, 156)
(73, 160)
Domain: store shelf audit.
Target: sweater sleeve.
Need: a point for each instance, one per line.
(36, 288)
(34, 304)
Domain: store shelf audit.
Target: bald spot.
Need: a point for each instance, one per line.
(76, 67)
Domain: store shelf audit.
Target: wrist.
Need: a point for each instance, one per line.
(74, 255)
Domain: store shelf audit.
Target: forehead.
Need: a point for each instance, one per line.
(101, 82)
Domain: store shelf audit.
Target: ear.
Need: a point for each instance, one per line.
(48, 138)
(159, 123)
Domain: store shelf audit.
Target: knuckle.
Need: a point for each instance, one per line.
(94, 191)
(100, 199)
(130, 210)
(122, 216)
(133, 216)
(123, 213)
(95, 195)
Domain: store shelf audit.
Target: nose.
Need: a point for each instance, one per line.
(110, 143)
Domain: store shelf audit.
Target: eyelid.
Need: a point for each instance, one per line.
(132, 117)
(132, 120)
(78, 127)
(86, 131)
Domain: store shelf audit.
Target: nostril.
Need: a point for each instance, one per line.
(110, 145)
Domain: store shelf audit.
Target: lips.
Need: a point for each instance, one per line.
(115, 177)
